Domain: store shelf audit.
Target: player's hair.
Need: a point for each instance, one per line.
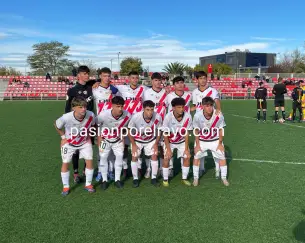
(208, 101)
(118, 100)
(177, 79)
(84, 69)
(280, 79)
(133, 73)
(156, 76)
(148, 103)
(261, 83)
(201, 74)
(178, 101)
(78, 101)
(104, 70)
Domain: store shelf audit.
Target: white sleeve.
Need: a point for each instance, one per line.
(194, 98)
(60, 122)
(216, 94)
(221, 122)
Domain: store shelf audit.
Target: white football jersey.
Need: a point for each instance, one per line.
(209, 128)
(133, 97)
(158, 98)
(177, 128)
(102, 98)
(187, 96)
(111, 127)
(199, 95)
(77, 132)
(144, 131)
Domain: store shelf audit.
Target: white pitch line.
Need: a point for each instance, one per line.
(247, 117)
(269, 161)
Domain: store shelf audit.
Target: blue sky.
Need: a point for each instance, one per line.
(157, 31)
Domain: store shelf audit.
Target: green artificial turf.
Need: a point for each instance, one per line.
(264, 202)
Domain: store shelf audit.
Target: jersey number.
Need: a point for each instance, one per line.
(64, 150)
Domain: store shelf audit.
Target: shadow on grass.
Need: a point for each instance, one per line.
(299, 230)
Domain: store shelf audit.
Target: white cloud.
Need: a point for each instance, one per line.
(155, 51)
(270, 39)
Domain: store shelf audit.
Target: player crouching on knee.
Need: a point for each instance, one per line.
(143, 134)
(78, 121)
(112, 130)
(176, 127)
(209, 133)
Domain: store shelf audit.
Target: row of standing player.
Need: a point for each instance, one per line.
(279, 90)
(134, 94)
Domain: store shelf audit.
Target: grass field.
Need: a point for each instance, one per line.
(264, 203)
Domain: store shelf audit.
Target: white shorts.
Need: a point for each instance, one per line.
(148, 148)
(180, 149)
(85, 152)
(105, 148)
(205, 146)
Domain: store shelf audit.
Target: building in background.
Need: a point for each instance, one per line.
(240, 61)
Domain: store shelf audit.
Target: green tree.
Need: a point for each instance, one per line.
(199, 68)
(248, 70)
(175, 68)
(129, 64)
(48, 57)
(221, 69)
(6, 71)
(189, 70)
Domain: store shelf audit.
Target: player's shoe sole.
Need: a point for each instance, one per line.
(186, 182)
(165, 184)
(65, 192)
(89, 189)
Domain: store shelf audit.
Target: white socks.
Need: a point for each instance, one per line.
(196, 171)
(89, 175)
(125, 165)
(223, 171)
(154, 169)
(65, 179)
(165, 173)
(202, 164)
(117, 170)
(134, 169)
(104, 169)
(185, 172)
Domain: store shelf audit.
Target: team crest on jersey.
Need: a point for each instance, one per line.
(85, 92)
(79, 92)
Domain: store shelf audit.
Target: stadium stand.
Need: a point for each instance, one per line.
(37, 87)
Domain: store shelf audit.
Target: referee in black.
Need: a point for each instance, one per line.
(279, 90)
(297, 95)
(82, 88)
(260, 96)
